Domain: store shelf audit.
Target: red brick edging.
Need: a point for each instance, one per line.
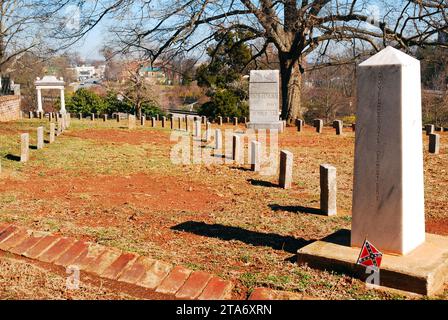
(111, 263)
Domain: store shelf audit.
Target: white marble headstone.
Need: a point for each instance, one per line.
(264, 99)
(388, 193)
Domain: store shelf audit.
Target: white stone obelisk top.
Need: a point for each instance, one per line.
(388, 192)
(390, 56)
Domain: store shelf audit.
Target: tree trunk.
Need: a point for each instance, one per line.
(138, 109)
(291, 88)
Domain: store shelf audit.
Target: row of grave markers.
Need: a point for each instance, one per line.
(338, 125)
(434, 139)
(177, 122)
(132, 119)
(328, 173)
(63, 122)
(328, 184)
(219, 120)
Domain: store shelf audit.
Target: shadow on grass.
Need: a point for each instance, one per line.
(220, 156)
(12, 157)
(341, 237)
(208, 145)
(297, 209)
(241, 169)
(261, 183)
(286, 243)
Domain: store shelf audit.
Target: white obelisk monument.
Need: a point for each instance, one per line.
(388, 193)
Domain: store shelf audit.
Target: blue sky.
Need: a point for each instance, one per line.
(90, 46)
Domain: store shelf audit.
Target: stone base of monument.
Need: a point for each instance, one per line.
(266, 125)
(423, 271)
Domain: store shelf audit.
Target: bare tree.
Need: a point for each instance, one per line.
(299, 30)
(135, 88)
(435, 107)
(113, 67)
(184, 68)
(138, 90)
(27, 26)
(31, 67)
(329, 92)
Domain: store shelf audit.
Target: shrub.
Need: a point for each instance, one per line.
(113, 104)
(151, 110)
(312, 111)
(85, 101)
(224, 103)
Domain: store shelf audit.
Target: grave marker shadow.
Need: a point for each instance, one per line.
(12, 157)
(261, 183)
(297, 209)
(227, 233)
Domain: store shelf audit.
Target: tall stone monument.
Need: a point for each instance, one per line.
(388, 199)
(264, 100)
(388, 194)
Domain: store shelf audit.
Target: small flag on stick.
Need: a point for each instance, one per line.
(370, 256)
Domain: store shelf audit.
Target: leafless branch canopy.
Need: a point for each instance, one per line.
(296, 28)
(27, 25)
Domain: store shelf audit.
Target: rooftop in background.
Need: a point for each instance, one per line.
(151, 69)
(86, 72)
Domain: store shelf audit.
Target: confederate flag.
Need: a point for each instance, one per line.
(369, 256)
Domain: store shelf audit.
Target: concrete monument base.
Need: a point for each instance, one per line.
(266, 125)
(423, 271)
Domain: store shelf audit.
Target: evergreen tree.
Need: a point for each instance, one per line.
(222, 75)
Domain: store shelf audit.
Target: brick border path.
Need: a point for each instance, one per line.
(131, 268)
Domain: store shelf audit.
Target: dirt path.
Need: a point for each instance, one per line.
(154, 192)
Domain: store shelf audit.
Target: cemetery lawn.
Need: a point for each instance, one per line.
(104, 183)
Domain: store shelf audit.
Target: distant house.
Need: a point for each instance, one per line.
(100, 71)
(161, 74)
(154, 74)
(84, 73)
